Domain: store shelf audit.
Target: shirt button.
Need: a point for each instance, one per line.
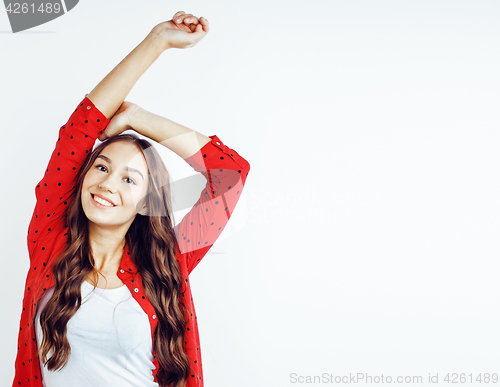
(218, 143)
(122, 271)
(136, 290)
(154, 316)
(88, 107)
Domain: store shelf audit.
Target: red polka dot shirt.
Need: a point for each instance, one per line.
(225, 171)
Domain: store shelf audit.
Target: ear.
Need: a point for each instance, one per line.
(143, 205)
(143, 211)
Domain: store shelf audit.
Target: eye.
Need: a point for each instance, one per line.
(132, 181)
(101, 166)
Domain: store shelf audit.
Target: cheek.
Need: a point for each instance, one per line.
(135, 195)
(88, 180)
(83, 193)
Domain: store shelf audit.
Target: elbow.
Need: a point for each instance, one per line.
(245, 169)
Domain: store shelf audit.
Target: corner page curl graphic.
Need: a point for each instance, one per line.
(24, 15)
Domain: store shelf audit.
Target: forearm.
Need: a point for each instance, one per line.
(110, 93)
(179, 139)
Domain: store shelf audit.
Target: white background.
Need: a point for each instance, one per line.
(367, 237)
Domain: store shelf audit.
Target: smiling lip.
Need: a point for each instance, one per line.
(104, 198)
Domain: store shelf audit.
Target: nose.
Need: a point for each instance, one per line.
(108, 185)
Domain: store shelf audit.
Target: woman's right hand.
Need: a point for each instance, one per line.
(183, 31)
(121, 120)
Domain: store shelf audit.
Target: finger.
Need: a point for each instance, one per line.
(191, 20)
(198, 29)
(204, 24)
(179, 19)
(177, 14)
(204, 21)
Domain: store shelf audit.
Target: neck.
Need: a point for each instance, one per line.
(107, 246)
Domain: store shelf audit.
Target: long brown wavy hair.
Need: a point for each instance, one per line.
(151, 241)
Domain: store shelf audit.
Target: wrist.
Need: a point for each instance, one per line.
(158, 41)
(136, 119)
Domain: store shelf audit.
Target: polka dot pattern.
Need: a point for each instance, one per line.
(224, 169)
(47, 230)
(221, 166)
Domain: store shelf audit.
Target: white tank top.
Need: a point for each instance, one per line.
(110, 339)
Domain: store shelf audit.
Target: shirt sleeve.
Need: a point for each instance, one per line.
(75, 142)
(226, 172)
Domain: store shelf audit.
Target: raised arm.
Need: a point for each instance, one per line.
(179, 139)
(223, 168)
(91, 117)
(183, 31)
(225, 172)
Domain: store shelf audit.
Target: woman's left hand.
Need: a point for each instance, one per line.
(120, 122)
(183, 31)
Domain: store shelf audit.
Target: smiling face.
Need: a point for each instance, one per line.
(114, 186)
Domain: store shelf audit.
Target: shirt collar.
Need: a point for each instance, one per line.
(127, 263)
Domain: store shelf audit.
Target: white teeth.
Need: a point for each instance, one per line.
(102, 201)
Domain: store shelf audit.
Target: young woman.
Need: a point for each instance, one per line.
(107, 299)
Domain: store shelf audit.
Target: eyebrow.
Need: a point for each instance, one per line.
(126, 168)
